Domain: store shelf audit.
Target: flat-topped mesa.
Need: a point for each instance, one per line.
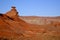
(13, 12)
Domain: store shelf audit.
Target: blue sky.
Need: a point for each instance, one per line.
(32, 7)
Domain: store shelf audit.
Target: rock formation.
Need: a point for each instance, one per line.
(13, 27)
(12, 12)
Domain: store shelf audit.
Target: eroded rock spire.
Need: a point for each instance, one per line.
(12, 12)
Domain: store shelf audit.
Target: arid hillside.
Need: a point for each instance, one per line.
(40, 20)
(15, 27)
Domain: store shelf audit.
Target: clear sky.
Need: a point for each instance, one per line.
(32, 7)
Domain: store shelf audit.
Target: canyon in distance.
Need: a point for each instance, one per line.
(15, 27)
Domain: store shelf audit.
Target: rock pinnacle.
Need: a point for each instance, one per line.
(12, 12)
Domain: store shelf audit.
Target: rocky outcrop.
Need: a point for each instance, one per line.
(13, 12)
(13, 27)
